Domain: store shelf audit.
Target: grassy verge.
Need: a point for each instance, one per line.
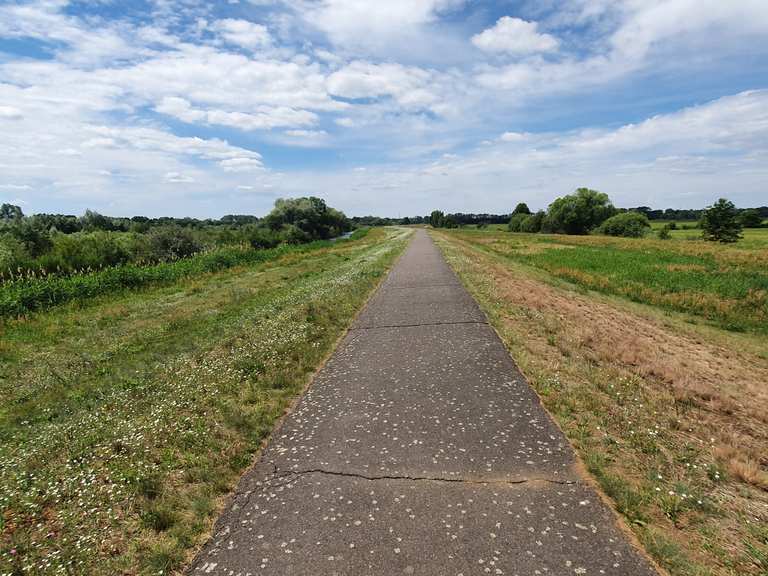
(670, 418)
(724, 285)
(124, 422)
(30, 293)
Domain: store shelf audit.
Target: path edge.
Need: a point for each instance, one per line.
(578, 465)
(225, 500)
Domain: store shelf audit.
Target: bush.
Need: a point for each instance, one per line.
(81, 251)
(750, 218)
(292, 234)
(533, 222)
(516, 222)
(306, 219)
(450, 222)
(35, 240)
(171, 243)
(13, 255)
(626, 224)
(263, 238)
(436, 219)
(579, 213)
(663, 232)
(521, 208)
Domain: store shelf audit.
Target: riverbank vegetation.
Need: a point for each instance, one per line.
(41, 266)
(61, 244)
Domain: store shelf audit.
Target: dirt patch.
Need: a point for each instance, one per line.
(730, 384)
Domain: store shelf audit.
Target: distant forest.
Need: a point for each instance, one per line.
(463, 219)
(90, 221)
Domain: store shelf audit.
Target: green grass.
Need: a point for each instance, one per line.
(754, 238)
(124, 421)
(724, 285)
(694, 224)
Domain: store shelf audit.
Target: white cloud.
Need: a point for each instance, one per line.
(177, 178)
(264, 117)
(686, 158)
(655, 21)
(411, 87)
(99, 143)
(241, 164)
(357, 23)
(15, 187)
(728, 125)
(304, 138)
(514, 36)
(10, 113)
(243, 33)
(306, 133)
(153, 139)
(514, 137)
(634, 35)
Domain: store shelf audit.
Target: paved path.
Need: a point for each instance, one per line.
(419, 449)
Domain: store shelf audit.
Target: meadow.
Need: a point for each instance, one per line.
(653, 357)
(754, 238)
(128, 416)
(723, 285)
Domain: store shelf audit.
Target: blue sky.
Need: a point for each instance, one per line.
(185, 107)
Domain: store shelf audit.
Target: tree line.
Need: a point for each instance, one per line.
(589, 211)
(57, 243)
(673, 214)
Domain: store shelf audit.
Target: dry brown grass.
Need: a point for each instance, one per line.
(706, 394)
(741, 465)
(685, 267)
(607, 333)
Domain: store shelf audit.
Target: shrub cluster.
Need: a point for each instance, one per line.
(627, 224)
(530, 223)
(31, 292)
(589, 211)
(577, 213)
(41, 265)
(437, 219)
(60, 244)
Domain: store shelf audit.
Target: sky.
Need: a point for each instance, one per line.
(394, 108)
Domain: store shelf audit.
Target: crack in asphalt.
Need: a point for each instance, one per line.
(415, 325)
(291, 475)
(386, 286)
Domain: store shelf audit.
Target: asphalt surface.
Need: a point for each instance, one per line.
(418, 449)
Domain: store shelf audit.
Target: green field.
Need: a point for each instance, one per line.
(723, 285)
(125, 419)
